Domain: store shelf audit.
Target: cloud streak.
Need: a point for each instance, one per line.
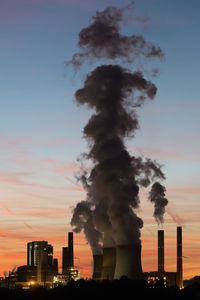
(15, 215)
(15, 179)
(186, 190)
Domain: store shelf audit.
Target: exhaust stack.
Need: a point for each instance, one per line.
(161, 255)
(128, 262)
(179, 258)
(68, 255)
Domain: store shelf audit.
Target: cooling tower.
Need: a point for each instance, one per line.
(109, 260)
(160, 250)
(179, 258)
(97, 267)
(128, 262)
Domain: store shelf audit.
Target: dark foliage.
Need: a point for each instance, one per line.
(89, 289)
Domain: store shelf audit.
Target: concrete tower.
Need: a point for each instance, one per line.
(128, 262)
(97, 267)
(109, 260)
(161, 255)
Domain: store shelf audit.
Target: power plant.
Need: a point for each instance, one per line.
(114, 263)
(125, 260)
(42, 267)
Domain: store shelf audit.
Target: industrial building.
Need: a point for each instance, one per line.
(68, 271)
(169, 278)
(126, 261)
(42, 267)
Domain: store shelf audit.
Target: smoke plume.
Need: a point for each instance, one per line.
(82, 220)
(157, 196)
(103, 39)
(114, 93)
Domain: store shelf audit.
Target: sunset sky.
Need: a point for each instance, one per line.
(41, 126)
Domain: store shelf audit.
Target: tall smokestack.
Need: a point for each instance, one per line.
(179, 258)
(68, 255)
(128, 262)
(71, 249)
(161, 250)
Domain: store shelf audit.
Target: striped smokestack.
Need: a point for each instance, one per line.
(161, 256)
(179, 258)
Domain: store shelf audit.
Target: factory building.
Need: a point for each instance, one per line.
(121, 261)
(41, 266)
(68, 271)
(168, 278)
(40, 255)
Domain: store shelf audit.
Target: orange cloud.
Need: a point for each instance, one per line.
(12, 178)
(39, 212)
(27, 225)
(18, 237)
(15, 215)
(184, 190)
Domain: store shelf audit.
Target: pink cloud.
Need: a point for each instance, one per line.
(15, 215)
(163, 155)
(14, 179)
(46, 212)
(20, 143)
(18, 237)
(28, 226)
(172, 212)
(184, 190)
(63, 168)
(25, 159)
(159, 154)
(8, 211)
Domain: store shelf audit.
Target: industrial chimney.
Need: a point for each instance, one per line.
(68, 255)
(97, 267)
(161, 250)
(128, 262)
(179, 258)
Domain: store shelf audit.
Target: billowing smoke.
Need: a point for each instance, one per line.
(157, 196)
(114, 93)
(83, 220)
(102, 39)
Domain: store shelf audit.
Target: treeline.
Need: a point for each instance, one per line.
(88, 289)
